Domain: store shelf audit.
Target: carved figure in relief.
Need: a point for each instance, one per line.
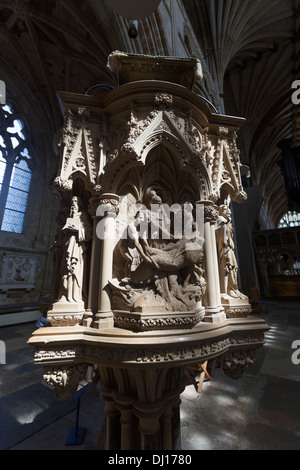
(76, 232)
(162, 272)
(228, 267)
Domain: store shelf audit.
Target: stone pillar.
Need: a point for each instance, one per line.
(92, 303)
(176, 428)
(150, 442)
(113, 434)
(166, 428)
(148, 415)
(127, 428)
(106, 231)
(210, 301)
(140, 416)
(213, 309)
(216, 267)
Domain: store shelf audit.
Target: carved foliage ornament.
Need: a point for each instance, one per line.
(163, 99)
(65, 379)
(235, 362)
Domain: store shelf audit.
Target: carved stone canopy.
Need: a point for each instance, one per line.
(133, 67)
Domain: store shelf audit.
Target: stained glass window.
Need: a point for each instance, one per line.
(290, 219)
(15, 171)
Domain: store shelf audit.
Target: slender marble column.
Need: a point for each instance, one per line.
(106, 231)
(92, 303)
(211, 299)
(213, 308)
(216, 267)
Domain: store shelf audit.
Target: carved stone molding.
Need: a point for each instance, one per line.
(65, 379)
(140, 322)
(234, 363)
(108, 199)
(64, 319)
(238, 311)
(159, 354)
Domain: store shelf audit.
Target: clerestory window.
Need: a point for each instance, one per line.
(290, 219)
(15, 171)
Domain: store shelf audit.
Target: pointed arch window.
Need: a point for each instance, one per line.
(15, 171)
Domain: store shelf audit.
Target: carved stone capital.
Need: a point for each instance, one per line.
(108, 203)
(211, 212)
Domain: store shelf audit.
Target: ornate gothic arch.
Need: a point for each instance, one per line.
(158, 129)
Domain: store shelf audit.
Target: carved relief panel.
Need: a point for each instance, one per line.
(144, 257)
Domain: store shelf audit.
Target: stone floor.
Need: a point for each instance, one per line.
(261, 411)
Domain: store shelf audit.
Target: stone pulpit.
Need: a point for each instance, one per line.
(145, 272)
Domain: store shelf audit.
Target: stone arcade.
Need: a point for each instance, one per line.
(141, 291)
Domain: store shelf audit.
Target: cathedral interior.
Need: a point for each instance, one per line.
(250, 58)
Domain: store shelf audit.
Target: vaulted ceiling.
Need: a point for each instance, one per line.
(249, 47)
(252, 49)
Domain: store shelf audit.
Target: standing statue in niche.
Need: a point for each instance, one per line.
(76, 233)
(228, 267)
